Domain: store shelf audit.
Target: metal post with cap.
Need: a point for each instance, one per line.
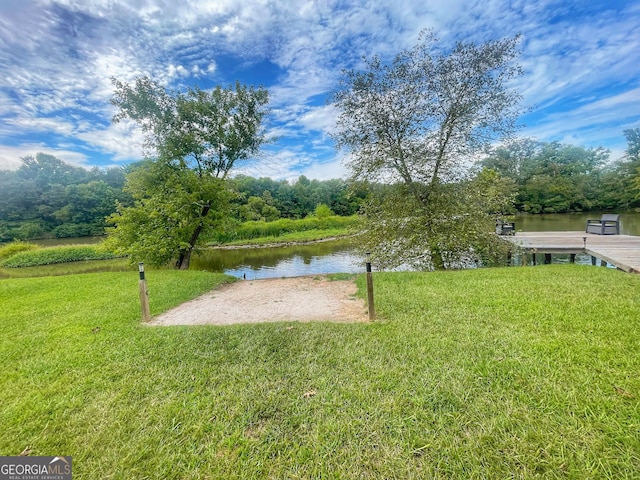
(372, 309)
(144, 294)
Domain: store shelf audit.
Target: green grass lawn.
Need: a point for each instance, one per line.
(495, 373)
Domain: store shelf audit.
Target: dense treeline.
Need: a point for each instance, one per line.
(267, 199)
(47, 197)
(557, 178)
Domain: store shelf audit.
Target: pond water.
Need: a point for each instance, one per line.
(275, 262)
(54, 242)
(340, 256)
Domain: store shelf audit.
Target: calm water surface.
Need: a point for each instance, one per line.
(275, 262)
(333, 257)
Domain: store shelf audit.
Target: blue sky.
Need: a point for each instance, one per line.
(581, 61)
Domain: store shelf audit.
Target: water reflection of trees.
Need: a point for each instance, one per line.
(256, 258)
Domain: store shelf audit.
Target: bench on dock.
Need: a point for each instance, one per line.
(608, 224)
(505, 228)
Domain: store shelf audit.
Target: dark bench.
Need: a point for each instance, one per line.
(505, 228)
(609, 224)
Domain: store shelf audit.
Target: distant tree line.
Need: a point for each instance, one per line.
(558, 178)
(46, 197)
(267, 199)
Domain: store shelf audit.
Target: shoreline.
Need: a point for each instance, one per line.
(278, 244)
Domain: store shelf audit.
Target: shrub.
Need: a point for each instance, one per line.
(28, 230)
(14, 248)
(323, 211)
(48, 256)
(258, 229)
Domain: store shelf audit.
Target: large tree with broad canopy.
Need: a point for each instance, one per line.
(196, 139)
(417, 124)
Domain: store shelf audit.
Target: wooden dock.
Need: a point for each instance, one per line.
(623, 251)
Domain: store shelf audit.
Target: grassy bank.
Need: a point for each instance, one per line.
(286, 230)
(307, 236)
(21, 260)
(494, 373)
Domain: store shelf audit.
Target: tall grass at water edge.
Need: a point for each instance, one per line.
(257, 229)
(52, 255)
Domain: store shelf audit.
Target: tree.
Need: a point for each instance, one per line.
(166, 213)
(57, 198)
(552, 177)
(416, 124)
(197, 138)
(632, 163)
(633, 144)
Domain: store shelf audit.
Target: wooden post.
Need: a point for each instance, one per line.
(572, 258)
(372, 309)
(144, 294)
(547, 258)
(593, 260)
(603, 263)
(535, 260)
(524, 259)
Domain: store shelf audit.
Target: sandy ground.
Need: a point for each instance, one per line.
(282, 299)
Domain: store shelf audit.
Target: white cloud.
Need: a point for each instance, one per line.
(280, 164)
(327, 170)
(58, 57)
(320, 119)
(595, 123)
(56, 125)
(124, 140)
(10, 156)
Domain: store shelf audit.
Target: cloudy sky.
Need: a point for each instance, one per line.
(581, 61)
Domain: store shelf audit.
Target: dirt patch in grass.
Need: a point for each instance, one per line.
(303, 299)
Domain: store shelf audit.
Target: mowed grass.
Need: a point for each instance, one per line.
(495, 373)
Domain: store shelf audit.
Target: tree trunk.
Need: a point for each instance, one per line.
(184, 260)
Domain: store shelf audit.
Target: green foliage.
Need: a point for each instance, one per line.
(297, 199)
(492, 373)
(199, 137)
(27, 230)
(44, 194)
(257, 208)
(323, 211)
(632, 164)
(633, 143)
(259, 229)
(454, 231)
(495, 193)
(207, 131)
(51, 255)
(168, 210)
(69, 268)
(13, 248)
(552, 177)
(415, 123)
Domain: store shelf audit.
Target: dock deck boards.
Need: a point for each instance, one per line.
(623, 251)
